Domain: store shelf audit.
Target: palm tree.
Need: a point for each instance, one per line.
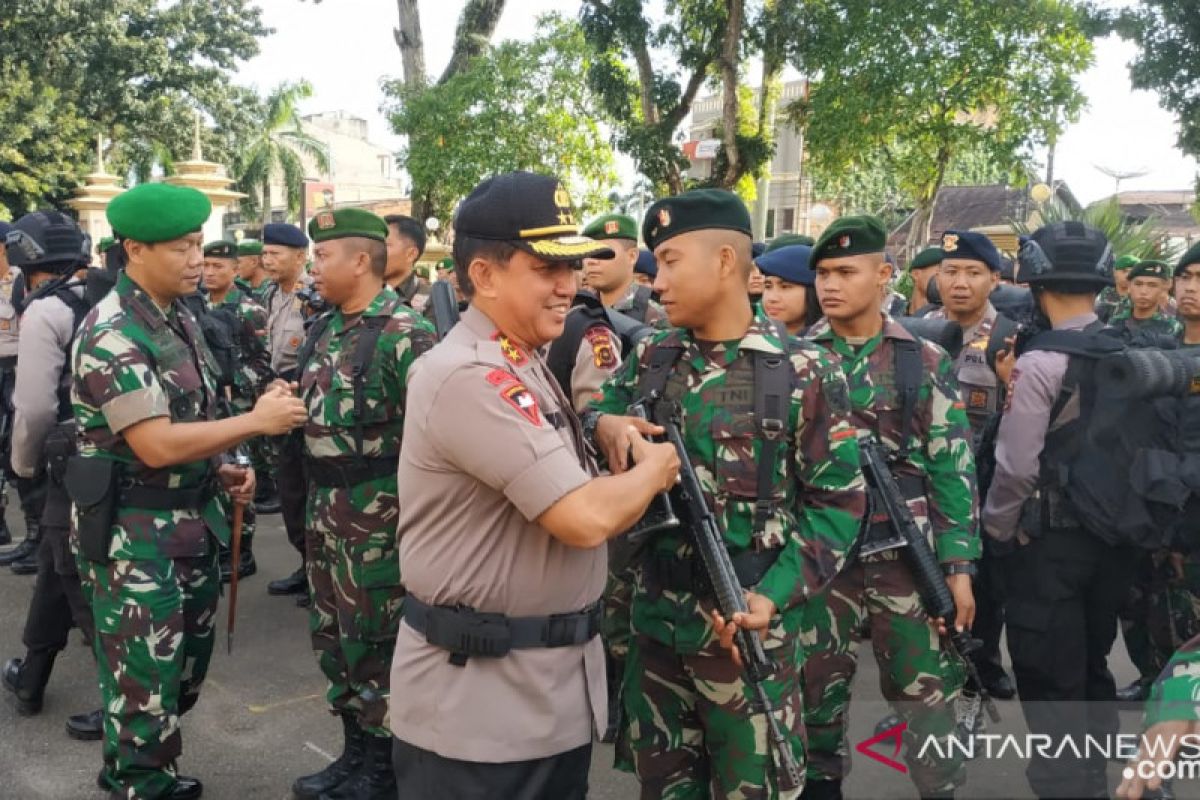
(277, 149)
(1143, 239)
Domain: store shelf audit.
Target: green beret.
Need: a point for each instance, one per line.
(850, 236)
(446, 263)
(697, 210)
(105, 243)
(1192, 256)
(345, 223)
(1150, 268)
(612, 226)
(221, 248)
(158, 212)
(1125, 262)
(250, 247)
(788, 240)
(929, 257)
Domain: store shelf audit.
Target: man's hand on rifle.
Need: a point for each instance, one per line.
(758, 618)
(660, 459)
(964, 603)
(239, 482)
(614, 438)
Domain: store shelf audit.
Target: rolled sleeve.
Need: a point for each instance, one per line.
(116, 376)
(480, 428)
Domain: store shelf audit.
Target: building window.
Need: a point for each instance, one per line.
(789, 221)
(770, 234)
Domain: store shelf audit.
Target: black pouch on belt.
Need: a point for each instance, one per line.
(93, 484)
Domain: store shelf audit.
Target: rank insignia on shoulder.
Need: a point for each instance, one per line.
(512, 353)
(603, 355)
(521, 399)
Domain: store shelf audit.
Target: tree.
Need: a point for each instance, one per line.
(1167, 33)
(919, 83)
(519, 105)
(131, 70)
(275, 152)
(1143, 239)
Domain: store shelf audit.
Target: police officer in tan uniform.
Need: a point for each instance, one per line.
(502, 523)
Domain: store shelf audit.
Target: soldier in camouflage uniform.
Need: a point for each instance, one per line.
(145, 487)
(929, 446)
(1149, 283)
(1116, 296)
(253, 368)
(405, 244)
(690, 723)
(253, 278)
(354, 385)
(612, 278)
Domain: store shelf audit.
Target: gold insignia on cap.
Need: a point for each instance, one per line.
(844, 241)
(563, 201)
(950, 242)
(612, 226)
(325, 221)
(664, 217)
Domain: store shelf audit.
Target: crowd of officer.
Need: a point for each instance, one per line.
(498, 563)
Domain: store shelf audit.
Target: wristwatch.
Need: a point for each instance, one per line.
(961, 568)
(588, 421)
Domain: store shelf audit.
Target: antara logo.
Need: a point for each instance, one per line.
(895, 735)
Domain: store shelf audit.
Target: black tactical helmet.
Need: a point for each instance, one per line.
(1066, 252)
(47, 241)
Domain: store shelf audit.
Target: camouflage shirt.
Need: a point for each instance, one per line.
(254, 357)
(135, 361)
(414, 292)
(1108, 302)
(260, 295)
(1175, 694)
(940, 438)
(327, 384)
(1160, 322)
(818, 490)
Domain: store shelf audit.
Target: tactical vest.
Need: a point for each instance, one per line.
(586, 313)
(981, 390)
(640, 306)
(62, 288)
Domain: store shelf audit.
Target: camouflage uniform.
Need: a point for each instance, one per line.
(686, 703)
(1161, 610)
(259, 295)
(878, 590)
(1108, 302)
(353, 567)
(414, 292)
(1173, 695)
(1160, 323)
(252, 376)
(154, 602)
(653, 315)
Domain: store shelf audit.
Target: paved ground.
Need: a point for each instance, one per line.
(261, 720)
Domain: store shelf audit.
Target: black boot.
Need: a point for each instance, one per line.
(5, 533)
(25, 548)
(27, 678)
(27, 564)
(296, 583)
(86, 727)
(247, 566)
(821, 790)
(375, 781)
(310, 787)
(1135, 692)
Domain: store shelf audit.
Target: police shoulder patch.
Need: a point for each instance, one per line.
(604, 355)
(523, 401)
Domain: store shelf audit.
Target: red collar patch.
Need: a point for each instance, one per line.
(523, 401)
(513, 354)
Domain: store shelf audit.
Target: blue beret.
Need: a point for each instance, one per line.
(646, 263)
(789, 263)
(973, 246)
(4, 228)
(282, 233)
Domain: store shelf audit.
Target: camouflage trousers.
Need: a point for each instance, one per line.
(354, 573)
(877, 593)
(691, 727)
(617, 631)
(1162, 610)
(154, 638)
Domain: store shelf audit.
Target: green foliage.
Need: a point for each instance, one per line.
(1145, 239)
(1167, 33)
(130, 70)
(274, 152)
(520, 105)
(921, 82)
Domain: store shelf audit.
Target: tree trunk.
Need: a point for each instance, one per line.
(768, 103)
(476, 25)
(729, 89)
(922, 219)
(411, 44)
(266, 197)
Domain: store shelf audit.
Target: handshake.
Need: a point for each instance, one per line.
(278, 409)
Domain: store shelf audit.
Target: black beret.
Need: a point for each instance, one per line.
(221, 248)
(788, 240)
(850, 236)
(1150, 268)
(697, 210)
(929, 257)
(971, 246)
(1191, 256)
(283, 234)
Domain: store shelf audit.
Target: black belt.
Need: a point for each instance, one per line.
(329, 473)
(688, 575)
(162, 498)
(466, 632)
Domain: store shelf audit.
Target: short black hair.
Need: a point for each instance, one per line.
(376, 251)
(468, 248)
(409, 228)
(1068, 287)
